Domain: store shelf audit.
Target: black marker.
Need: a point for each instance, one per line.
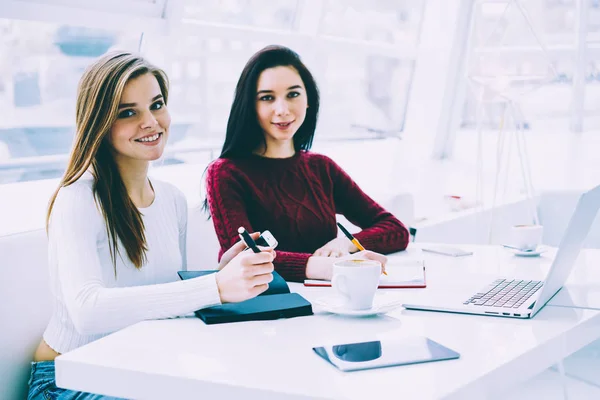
(248, 239)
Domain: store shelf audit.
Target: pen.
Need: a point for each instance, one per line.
(353, 240)
(248, 239)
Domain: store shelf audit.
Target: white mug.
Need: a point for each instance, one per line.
(356, 282)
(527, 237)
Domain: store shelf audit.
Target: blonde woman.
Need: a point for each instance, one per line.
(116, 237)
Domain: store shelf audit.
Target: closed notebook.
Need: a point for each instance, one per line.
(276, 302)
(400, 275)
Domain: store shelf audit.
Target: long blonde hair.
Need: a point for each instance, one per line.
(98, 97)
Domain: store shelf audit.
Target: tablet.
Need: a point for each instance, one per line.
(384, 353)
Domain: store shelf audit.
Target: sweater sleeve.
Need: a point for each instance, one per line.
(381, 231)
(227, 202)
(94, 307)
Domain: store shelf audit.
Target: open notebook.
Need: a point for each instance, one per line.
(401, 274)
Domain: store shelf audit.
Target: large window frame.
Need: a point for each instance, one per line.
(166, 16)
(150, 15)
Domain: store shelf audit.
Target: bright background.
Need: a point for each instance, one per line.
(413, 92)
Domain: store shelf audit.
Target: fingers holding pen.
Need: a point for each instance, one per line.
(246, 276)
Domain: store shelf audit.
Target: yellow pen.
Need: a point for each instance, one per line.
(353, 240)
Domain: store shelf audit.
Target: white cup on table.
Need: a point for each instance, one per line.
(356, 281)
(527, 237)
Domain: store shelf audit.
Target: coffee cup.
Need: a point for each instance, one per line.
(356, 281)
(527, 237)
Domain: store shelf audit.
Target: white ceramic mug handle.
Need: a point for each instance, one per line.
(339, 284)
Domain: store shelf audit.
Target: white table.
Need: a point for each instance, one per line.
(184, 358)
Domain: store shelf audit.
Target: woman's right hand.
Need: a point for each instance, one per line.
(322, 267)
(246, 276)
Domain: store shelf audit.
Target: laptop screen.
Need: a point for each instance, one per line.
(570, 245)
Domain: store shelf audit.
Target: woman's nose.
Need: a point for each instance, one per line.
(148, 121)
(281, 107)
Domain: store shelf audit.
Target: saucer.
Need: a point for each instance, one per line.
(335, 305)
(533, 253)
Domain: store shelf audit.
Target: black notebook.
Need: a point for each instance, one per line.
(276, 302)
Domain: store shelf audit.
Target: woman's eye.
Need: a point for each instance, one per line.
(293, 94)
(266, 98)
(157, 106)
(126, 114)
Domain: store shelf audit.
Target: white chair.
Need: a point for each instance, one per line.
(26, 299)
(202, 243)
(25, 310)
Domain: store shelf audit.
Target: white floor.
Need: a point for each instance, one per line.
(548, 386)
(582, 379)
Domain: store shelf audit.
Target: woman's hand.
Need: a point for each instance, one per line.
(368, 255)
(337, 247)
(322, 267)
(246, 276)
(235, 250)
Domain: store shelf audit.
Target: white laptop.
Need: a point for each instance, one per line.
(518, 298)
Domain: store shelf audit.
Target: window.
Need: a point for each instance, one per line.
(40, 65)
(362, 53)
(505, 55)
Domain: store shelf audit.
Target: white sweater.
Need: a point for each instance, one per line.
(89, 302)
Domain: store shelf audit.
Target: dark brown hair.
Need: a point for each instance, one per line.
(244, 134)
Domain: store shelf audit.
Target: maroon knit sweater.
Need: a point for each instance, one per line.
(296, 198)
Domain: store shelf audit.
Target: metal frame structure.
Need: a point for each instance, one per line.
(448, 124)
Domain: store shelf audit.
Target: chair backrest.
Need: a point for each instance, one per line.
(26, 299)
(202, 243)
(26, 307)
(555, 209)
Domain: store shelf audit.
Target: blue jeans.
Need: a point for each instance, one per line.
(42, 385)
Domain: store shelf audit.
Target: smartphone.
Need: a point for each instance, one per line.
(266, 239)
(447, 251)
(384, 353)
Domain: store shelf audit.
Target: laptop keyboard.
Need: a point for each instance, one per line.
(505, 293)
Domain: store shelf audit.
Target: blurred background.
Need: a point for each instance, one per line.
(365, 93)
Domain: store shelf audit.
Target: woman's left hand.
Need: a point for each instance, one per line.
(338, 247)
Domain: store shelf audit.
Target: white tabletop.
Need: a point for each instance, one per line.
(582, 289)
(184, 358)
